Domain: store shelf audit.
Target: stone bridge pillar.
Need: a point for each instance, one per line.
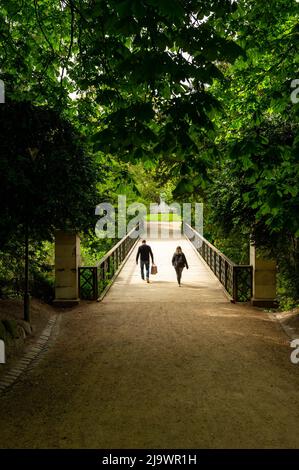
(264, 279)
(67, 260)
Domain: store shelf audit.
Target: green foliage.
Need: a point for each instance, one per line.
(41, 280)
(11, 275)
(48, 177)
(152, 181)
(259, 140)
(42, 285)
(198, 91)
(94, 248)
(253, 188)
(3, 333)
(132, 74)
(11, 327)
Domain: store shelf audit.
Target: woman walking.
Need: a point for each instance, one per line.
(179, 262)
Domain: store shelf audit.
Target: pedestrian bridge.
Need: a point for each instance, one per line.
(199, 284)
(211, 275)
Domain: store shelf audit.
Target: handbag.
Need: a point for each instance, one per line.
(154, 269)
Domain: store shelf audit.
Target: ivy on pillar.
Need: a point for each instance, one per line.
(67, 261)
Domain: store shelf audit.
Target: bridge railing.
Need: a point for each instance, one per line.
(236, 279)
(95, 280)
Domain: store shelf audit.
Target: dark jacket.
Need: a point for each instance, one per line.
(144, 251)
(179, 260)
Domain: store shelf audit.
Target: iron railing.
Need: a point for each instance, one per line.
(94, 280)
(236, 279)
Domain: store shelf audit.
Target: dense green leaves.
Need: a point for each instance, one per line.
(199, 91)
(253, 190)
(48, 178)
(261, 122)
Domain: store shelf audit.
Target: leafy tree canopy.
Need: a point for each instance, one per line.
(256, 181)
(48, 179)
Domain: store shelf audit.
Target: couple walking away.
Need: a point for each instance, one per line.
(145, 252)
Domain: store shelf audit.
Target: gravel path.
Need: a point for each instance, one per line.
(158, 366)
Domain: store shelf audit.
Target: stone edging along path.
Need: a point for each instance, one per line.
(33, 355)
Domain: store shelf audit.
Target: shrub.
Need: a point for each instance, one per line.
(11, 327)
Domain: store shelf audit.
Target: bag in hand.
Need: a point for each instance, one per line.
(154, 269)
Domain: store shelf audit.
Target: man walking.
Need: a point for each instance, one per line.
(145, 252)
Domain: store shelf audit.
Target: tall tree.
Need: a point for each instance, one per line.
(48, 177)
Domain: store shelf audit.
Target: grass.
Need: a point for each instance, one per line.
(163, 218)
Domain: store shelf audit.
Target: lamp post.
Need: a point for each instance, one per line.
(26, 290)
(33, 154)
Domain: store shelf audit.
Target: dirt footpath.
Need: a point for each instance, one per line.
(12, 309)
(162, 375)
(159, 366)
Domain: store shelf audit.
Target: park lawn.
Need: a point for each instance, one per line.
(163, 218)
